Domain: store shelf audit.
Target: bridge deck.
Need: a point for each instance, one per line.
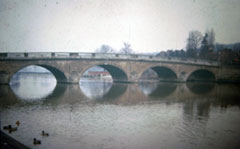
(105, 56)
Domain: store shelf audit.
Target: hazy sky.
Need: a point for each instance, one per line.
(84, 25)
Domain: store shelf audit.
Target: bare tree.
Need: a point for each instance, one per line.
(105, 49)
(193, 43)
(126, 49)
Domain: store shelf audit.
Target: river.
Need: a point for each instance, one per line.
(105, 115)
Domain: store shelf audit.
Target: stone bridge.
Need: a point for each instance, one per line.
(69, 67)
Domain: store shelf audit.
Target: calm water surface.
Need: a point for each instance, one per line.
(98, 115)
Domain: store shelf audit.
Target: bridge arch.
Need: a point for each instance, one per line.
(117, 73)
(164, 73)
(201, 75)
(58, 74)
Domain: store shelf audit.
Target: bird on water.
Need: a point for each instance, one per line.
(17, 123)
(12, 129)
(7, 127)
(44, 134)
(36, 142)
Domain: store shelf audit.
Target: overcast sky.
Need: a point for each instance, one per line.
(84, 25)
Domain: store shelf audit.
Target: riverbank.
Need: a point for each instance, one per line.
(8, 142)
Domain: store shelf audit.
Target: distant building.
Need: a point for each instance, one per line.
(162, 54)
(172, 53)
(98, 74)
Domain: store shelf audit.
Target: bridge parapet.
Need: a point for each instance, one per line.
(110, 56)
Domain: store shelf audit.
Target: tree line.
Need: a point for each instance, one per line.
(204, 47)
(126, 49)
(198, 45)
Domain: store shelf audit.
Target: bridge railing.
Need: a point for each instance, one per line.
(77, 55)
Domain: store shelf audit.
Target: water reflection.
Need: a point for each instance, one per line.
(194, 125)
(4, 90)
(156, 89)
(115, 91)
(200, 88)
(7, 97)
(57, 93)
(228, 95)
(102, 91)
(126, 116)
(32, 86)
(95, 90)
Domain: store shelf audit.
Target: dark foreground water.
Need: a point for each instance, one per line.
(96, 115)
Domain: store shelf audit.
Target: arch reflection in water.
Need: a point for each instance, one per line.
(57, 94)
(32, 83)
(95, 89)
(201, 75)
(200, 88)
(157, 89)
(7, 97)
(102, 91)
(117, 90)
(97, 84)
